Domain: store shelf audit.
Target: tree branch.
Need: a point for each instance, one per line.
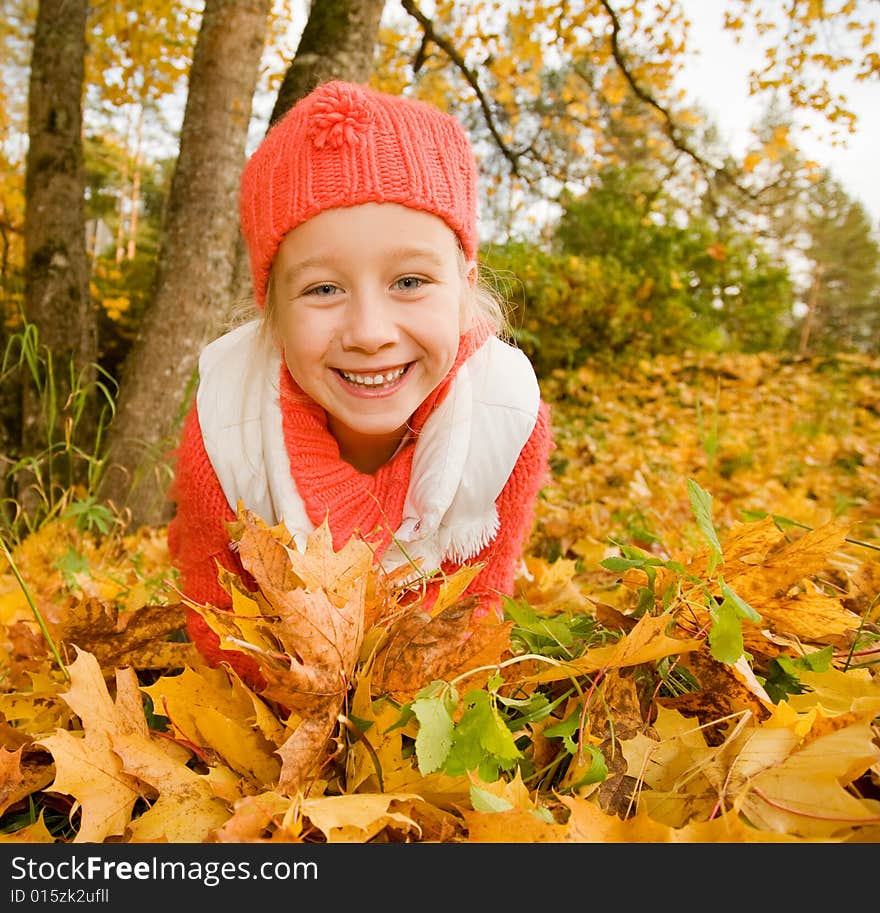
(431, 34)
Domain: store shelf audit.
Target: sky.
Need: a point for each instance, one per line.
(716, 77)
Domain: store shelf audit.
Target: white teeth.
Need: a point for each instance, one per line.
(373, 380)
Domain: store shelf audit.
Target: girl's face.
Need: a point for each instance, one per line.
(368, 303)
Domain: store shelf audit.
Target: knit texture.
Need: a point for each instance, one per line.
(199, 541)
(370, 505)
(346, 144)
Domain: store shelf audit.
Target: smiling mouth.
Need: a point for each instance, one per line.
(378, 379)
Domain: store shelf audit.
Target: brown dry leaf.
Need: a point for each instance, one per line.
(304, 627)
(722, 693)
(21, 775)
(11, 737)
(323, 642)
(420, 648)
(136, 638)
(315, 615)
(270, 557)
(10, 778)
(27, 655)
(86, 767)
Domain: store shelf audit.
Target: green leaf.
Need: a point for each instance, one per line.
(484, 801)
(725, 635)
(598, 770)
(70, 564)
(481, 739)
(701, 506)
(782, 673)
(565, 729)
(741, 606)
(434, 738)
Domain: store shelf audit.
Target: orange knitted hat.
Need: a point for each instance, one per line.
(345, 144)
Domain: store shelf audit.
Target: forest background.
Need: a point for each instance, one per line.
(647, 268)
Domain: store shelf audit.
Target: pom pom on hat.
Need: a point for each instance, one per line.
(346, 144)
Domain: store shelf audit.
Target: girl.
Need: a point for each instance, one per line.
(374, 389)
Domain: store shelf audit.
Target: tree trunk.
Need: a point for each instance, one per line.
(195, 267)
(338, 42)
(57, 299)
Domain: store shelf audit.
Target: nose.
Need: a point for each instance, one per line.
(369, 322)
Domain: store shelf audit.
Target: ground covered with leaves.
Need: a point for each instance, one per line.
(689, 655)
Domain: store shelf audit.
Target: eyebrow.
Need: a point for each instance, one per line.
(394, 254)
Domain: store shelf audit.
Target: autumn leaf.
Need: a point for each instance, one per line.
(631, 730)
(187, 808)
(138, 638)
(214, 714)
(87, 767)
(420, 648)
(312, 618)
(360, 817)
(646, 642)
(22, 774)
(30, 833)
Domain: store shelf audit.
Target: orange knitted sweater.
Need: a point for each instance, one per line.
(353, 503)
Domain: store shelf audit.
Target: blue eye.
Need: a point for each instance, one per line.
(323, 290)
(408, 283)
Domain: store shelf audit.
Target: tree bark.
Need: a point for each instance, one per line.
(196, 262)
(57, 299)
(338, 42)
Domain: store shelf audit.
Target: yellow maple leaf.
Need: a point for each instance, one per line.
(87, 767)
(800, 788)
(254, 816)
(671, 770)
(358, 818)
(212, 710)
(39, 710)
(589, 824)
(187, 809)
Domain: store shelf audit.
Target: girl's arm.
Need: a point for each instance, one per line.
(198, 541)
(198, 536)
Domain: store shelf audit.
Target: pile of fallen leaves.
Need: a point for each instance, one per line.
(689, 654)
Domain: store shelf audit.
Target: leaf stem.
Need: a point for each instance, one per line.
(355, 730)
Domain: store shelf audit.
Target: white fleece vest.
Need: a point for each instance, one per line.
(463, 457)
